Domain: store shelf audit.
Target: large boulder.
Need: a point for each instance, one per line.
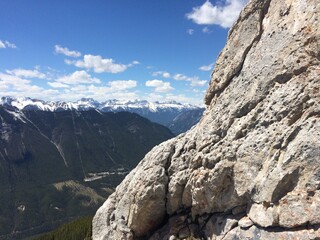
(251, 167)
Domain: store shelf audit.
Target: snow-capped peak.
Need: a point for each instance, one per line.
(84, 104)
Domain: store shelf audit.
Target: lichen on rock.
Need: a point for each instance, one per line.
(251, 167)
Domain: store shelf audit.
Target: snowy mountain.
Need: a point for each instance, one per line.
(160, 112)
(26, 103)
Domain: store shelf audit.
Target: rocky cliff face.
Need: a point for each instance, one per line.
(251, 167)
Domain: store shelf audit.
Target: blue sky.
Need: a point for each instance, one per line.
(112, 49)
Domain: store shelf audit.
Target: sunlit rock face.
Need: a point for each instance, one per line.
(251, 166)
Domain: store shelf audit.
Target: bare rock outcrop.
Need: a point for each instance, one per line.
(251, 168)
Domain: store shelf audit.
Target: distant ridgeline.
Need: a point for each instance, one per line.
(55, 166)
(176, 116)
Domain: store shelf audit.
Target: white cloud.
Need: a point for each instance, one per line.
(7, 44)
(223, 15)
(206, 67)
(206, 30)
(122, 84)
(156, 74)
(100, 65)
(100, 93)
(15, 86)
(133, 63)
(194, 81)
(33, 92)
(190, 31)
(3, 86)
(14, 81)
(58, 85)
(77, 77)
(81, 88)
(2, 45)
(180, 77)
(65, 51)
(175, 97)
(10, 45)
(66, 89)
(162, 74)
(166, 75)
(26, 73)
(160, 86)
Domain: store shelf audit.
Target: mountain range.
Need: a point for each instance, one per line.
(159, 112)
(57, 165)
(61, 160)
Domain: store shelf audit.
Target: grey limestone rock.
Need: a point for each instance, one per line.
(256, 151)
(245, 222)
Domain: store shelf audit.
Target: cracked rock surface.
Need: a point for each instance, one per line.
(250, 169)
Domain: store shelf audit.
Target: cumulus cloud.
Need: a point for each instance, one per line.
(70, 87)
(7, 44)
(206, 67)
(26, 73)
(159, 85)
(223, 15)
(77, 77)
(65, 51)
(13, 81)
(33, 92)
(11, 85)
(100, 65)
(122, 84)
